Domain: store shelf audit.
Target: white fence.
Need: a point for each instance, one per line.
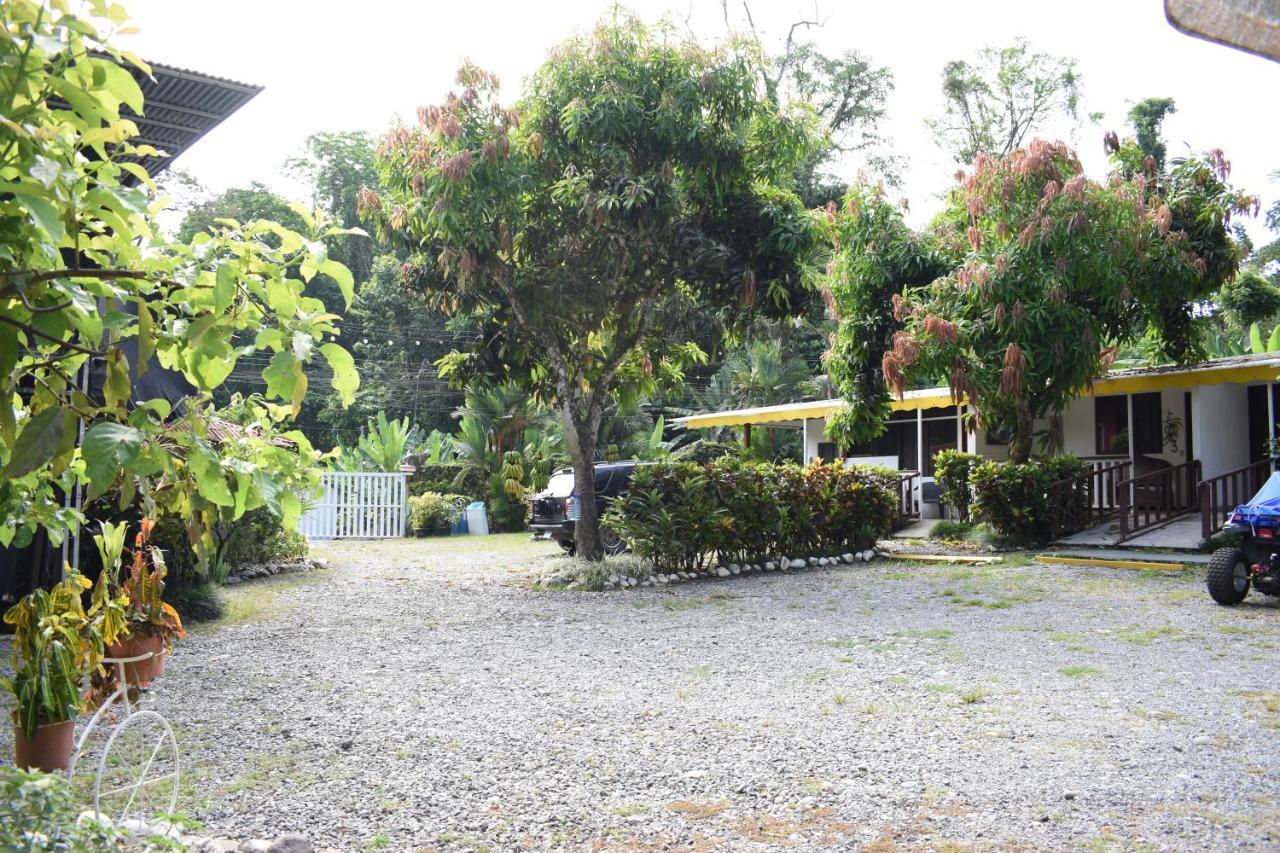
(357, 505)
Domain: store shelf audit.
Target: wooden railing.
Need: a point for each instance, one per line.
(1150, 500)
(908, 497)
(1221, 494)
(1078, 503)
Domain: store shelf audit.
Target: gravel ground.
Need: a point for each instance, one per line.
(419, 695)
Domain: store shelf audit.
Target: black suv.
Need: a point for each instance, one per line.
(555, 509)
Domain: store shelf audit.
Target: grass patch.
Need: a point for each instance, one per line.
(974, 695)
(630, 809)
(1079, 671)
(1146, 636)
(940, 688)
(676, 603)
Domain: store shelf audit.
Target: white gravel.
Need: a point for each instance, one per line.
(419, 695)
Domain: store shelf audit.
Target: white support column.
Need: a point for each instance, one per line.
(920, 441)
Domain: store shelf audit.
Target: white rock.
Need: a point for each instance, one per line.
(848, 558)
(290, 843)
(768, 567)
(723, 572)
(867, 555)
(813, 561)
(737, 570)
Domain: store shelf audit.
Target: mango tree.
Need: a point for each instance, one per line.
(1028, 280)
(87, 277)
(637, 178)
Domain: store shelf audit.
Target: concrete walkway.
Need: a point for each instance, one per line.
(1130, 554)
(1182, 533)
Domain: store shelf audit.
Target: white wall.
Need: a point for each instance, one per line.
(1221, 434)
(815, 430)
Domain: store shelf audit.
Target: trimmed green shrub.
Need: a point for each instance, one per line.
(1014, 498)
(681, 515)
(448, 478)
(435, 512)
(671, 515)
(951, 470)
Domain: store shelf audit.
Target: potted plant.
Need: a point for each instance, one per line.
(56, 642)
(151, 623)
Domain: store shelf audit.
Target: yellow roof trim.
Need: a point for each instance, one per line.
(929, 398)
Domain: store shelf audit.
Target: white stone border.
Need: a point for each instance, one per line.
(725, 570)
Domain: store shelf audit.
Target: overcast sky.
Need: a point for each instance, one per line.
(354, 65)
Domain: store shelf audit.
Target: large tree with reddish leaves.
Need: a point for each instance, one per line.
(1032, 274)
(639, 179)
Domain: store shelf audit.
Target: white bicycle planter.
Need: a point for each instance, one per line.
(136, 773)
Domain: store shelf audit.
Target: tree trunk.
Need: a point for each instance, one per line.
(1023, 432)
(580, 438)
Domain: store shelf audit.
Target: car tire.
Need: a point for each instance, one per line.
(1228, 578)
(612, 542)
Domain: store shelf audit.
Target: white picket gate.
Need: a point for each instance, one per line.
(357, 505)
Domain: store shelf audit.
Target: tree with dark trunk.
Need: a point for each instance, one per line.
(638, 182)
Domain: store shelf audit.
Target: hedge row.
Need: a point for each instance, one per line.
(447, 478)
(1014, 498)
(684, 515)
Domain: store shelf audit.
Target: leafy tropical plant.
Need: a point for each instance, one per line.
(951, 470)
(39, 813)
(386, 443)
(56, 643)
(149, 614)
(79, 232)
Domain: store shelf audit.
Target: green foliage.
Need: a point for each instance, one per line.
(1247, 299)
(77, 232)
(199, 601)
(877, 259)
(703, 451)
(951, 531)
(681, 514)
(990, 106)
(384, 444)
(337, 166)
(1014, 499)
(57, 641)
(435, 512)
(1046, 271)
(448, 477)
(951, 470)
(637, 178)
(39, 813)
(1147, 116)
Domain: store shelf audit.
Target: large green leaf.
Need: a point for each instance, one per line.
(341, 275)
(345, 377)
(108, 447)
(224, 288)
(48, 434)
(1255, 340)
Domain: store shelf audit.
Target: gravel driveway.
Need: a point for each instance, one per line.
(418, 694)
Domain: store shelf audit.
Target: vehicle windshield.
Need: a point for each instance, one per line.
(560, 485)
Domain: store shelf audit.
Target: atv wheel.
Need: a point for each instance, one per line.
(1228, 579)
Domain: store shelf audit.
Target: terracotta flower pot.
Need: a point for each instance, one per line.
(49, 750)
(132, 645)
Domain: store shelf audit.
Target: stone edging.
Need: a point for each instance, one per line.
(782, 564)
(251, 571)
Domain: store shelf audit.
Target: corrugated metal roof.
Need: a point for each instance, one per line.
(179, 107)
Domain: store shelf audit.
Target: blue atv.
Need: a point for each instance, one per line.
(1256, 561)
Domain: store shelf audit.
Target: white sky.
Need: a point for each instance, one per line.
(343, 66)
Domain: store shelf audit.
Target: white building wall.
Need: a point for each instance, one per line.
(814, 431)
(1221, 433)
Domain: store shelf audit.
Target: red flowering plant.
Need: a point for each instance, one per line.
(1040, 273)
